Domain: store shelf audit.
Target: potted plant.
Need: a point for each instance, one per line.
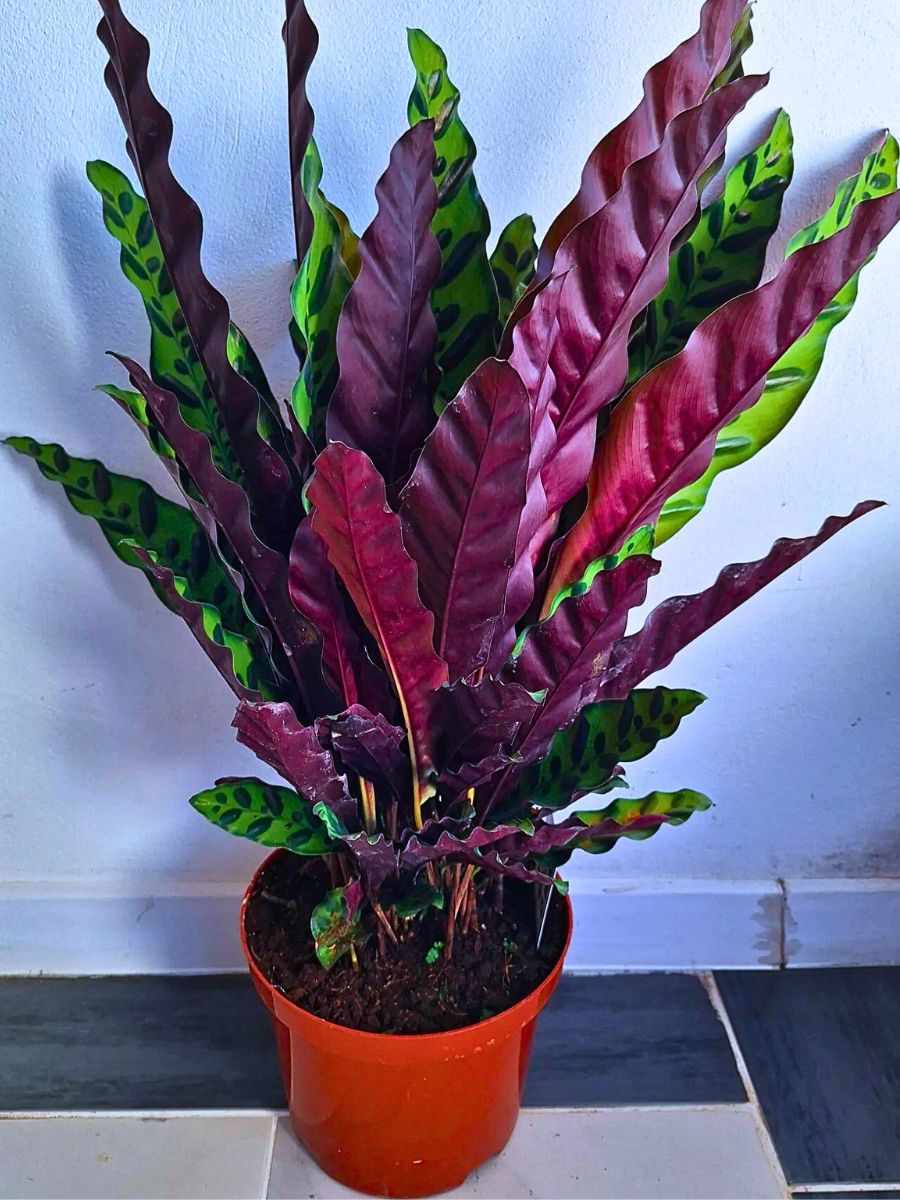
(415, 576)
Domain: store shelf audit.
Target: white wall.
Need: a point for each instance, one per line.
(109, 714)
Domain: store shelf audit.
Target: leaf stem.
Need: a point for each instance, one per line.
(370, 816)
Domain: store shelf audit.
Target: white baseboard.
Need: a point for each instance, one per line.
(675, 925)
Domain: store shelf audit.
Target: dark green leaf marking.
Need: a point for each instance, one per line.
(582, 757)
(512, 264)
(129, 509)
(173, 359)
(464, 299)
(793, 375)
(264, 813)
(317, 297)
(725, 254)
(676, 807)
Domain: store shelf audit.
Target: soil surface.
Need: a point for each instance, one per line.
(399, 991)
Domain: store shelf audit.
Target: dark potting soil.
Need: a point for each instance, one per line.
(400, 991)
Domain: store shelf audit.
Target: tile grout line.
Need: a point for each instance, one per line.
(707, 978)
(267, 1160)
(851, 1189)
(119, 1114)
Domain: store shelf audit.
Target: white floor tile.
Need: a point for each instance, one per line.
(133, 1158)
(704, 1153)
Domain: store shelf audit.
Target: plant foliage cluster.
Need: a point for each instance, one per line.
(415, 576)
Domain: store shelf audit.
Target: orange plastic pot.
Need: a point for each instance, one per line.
(396, 1115)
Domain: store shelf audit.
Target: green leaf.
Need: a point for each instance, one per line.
(512, 264)
(250, 664)
(640, 542)
(335, 925)
(332, 822)
(433, 953)
(421, 897)
(677, 807)
(317, 297)
(128, 509)
(266, 813)
(464, 299)
(795, 372)
(582, 757)
(243, 358)
(173, 360)
(136, 405)
(725, 254)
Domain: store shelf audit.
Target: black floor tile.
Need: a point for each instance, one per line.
(146, 1041)
(823, 1050)
(866, 1194)
(204, 1042)
(631, 1039)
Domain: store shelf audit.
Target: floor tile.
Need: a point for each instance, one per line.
(204, 1042)
(611, 1154)
(631, 1039)
(823, 1050)
(144, 1041)
(133, 1158)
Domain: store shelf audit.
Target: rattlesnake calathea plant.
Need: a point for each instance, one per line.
(415, 575)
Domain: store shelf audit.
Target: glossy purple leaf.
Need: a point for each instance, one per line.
(365, 546)
(479, 719)
(314, 591)
(671, 86)
(440, 840)
(375, 857)
(565, 655)
(301, 41)
(533, 341)
(676, 622)
(264, 568)
(617, 261)
(368, 744)
(274, 734)
(547, 837)
(179, 227)
(386, 335)
(461, 512)
(662, 436)
(456, 782)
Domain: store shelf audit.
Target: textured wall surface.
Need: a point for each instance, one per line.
(109, 715)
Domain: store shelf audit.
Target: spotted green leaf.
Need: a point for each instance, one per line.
(725, 254)
(795, 372)
(583, 756)
(173, 360)
(243, 358)
(317, 297)
(349, 240)
(464, 299)
(640, 542)
(266, 813)
(335, 924)
(127, 508)
(676, 807)
(249, 663)
(135, 404)
(513, 263)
